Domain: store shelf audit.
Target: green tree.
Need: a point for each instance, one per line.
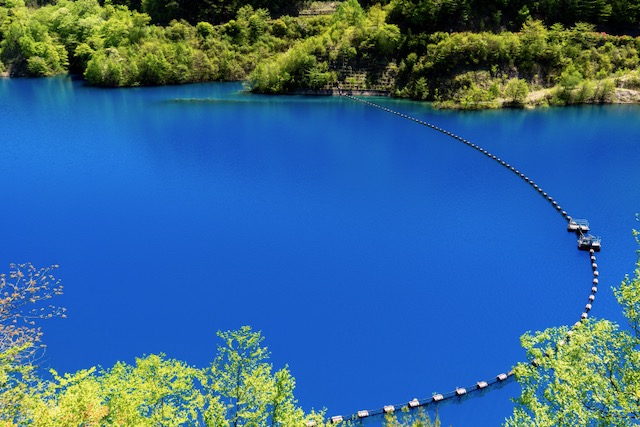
(242, 377)
(154, 392)
(66, 401)
(588, 375)
(516, 91)
(284, 407)
(418, 418)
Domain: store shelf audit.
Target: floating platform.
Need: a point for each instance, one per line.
(578, 225)
(589, 242)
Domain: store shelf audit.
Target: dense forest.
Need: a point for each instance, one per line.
(457, 53)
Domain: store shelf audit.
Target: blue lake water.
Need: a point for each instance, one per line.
(382, 261)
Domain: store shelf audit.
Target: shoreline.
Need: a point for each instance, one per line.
(535, 99)
(337, 92)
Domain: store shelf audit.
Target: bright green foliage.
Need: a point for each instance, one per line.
(354, 36)
(542, 57)
(16, 379)
(355, 48)
(411, 419)
(28, 48)
(71, 400)
(214, 11)
(628, 295)
(238, 389)
(587, 376)
(241, 376)
(240, 384)
(113, 46)
(516, 91)
(479, 15)
(284, 409)
(154, 392)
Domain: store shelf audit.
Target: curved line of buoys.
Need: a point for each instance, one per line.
(590, 243)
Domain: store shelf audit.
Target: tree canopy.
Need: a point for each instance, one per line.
(615, 16)
(588, 375)
(420, 49)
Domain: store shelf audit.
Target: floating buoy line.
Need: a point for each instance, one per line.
(586, 242)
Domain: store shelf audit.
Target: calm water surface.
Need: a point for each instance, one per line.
(382, 260)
